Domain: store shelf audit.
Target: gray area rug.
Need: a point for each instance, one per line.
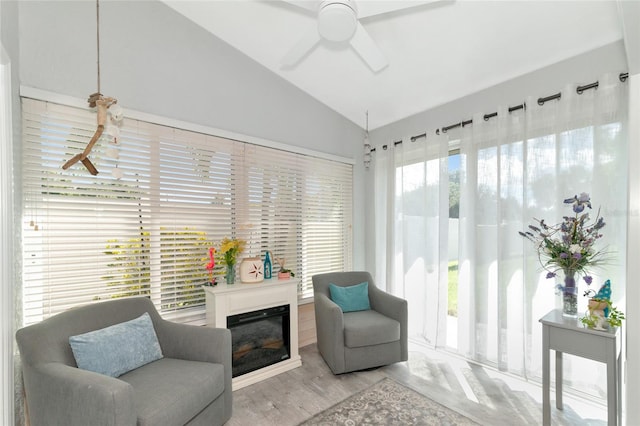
(388, 403)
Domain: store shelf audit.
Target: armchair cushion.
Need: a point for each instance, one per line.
(351, 298)
(173, 391)
(117, 349)
(367, 328)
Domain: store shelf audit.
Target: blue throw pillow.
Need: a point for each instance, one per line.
(117, 349)
(351, 298)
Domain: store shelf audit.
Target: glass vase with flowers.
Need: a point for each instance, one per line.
(569, 248)
(230, 249)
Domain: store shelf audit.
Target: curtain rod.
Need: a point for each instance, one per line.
(541, 101)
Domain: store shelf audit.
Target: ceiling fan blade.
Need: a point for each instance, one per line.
(311, 5)
(368, 50)
(372, 8)
(302, 48)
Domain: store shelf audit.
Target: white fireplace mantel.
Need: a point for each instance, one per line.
(225, 300)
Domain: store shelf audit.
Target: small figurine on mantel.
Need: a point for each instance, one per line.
(283, 273)
(212, 263)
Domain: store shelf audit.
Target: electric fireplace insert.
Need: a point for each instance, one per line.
(259, 338)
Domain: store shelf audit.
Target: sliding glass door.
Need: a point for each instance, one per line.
(449, 208)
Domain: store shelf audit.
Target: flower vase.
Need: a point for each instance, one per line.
(570, 296)
(230, 276)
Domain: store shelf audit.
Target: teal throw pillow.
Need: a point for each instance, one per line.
(351, 298)
(117, 349)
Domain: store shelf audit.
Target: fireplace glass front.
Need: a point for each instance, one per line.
(259, 338)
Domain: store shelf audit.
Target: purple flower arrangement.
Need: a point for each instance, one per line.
(569, 245)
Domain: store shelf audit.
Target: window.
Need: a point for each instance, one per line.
(88, 238)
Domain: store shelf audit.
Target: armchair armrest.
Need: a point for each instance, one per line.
(393, 307)
(60, 394)
(388, 305)
(330, 331)
(195, 343)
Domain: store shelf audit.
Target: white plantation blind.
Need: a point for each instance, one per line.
(88, 238)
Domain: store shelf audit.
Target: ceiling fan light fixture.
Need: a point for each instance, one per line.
(337, 20)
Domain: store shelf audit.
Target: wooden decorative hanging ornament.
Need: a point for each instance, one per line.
(102, 103)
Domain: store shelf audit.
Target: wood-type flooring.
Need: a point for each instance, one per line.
(483, 395)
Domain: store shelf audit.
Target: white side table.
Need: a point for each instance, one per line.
(568, 335)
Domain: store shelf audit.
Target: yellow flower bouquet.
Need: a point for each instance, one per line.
(230, 249)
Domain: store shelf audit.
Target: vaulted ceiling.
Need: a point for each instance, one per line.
(436, 52)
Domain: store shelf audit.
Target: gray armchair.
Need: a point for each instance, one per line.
(364, 339)
(191, 384)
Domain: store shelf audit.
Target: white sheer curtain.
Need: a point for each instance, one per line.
(411, 221)
(513, 167)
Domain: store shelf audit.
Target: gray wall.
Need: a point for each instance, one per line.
(156, 61)
(582, 69)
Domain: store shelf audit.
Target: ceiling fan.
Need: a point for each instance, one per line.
(338, 22)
